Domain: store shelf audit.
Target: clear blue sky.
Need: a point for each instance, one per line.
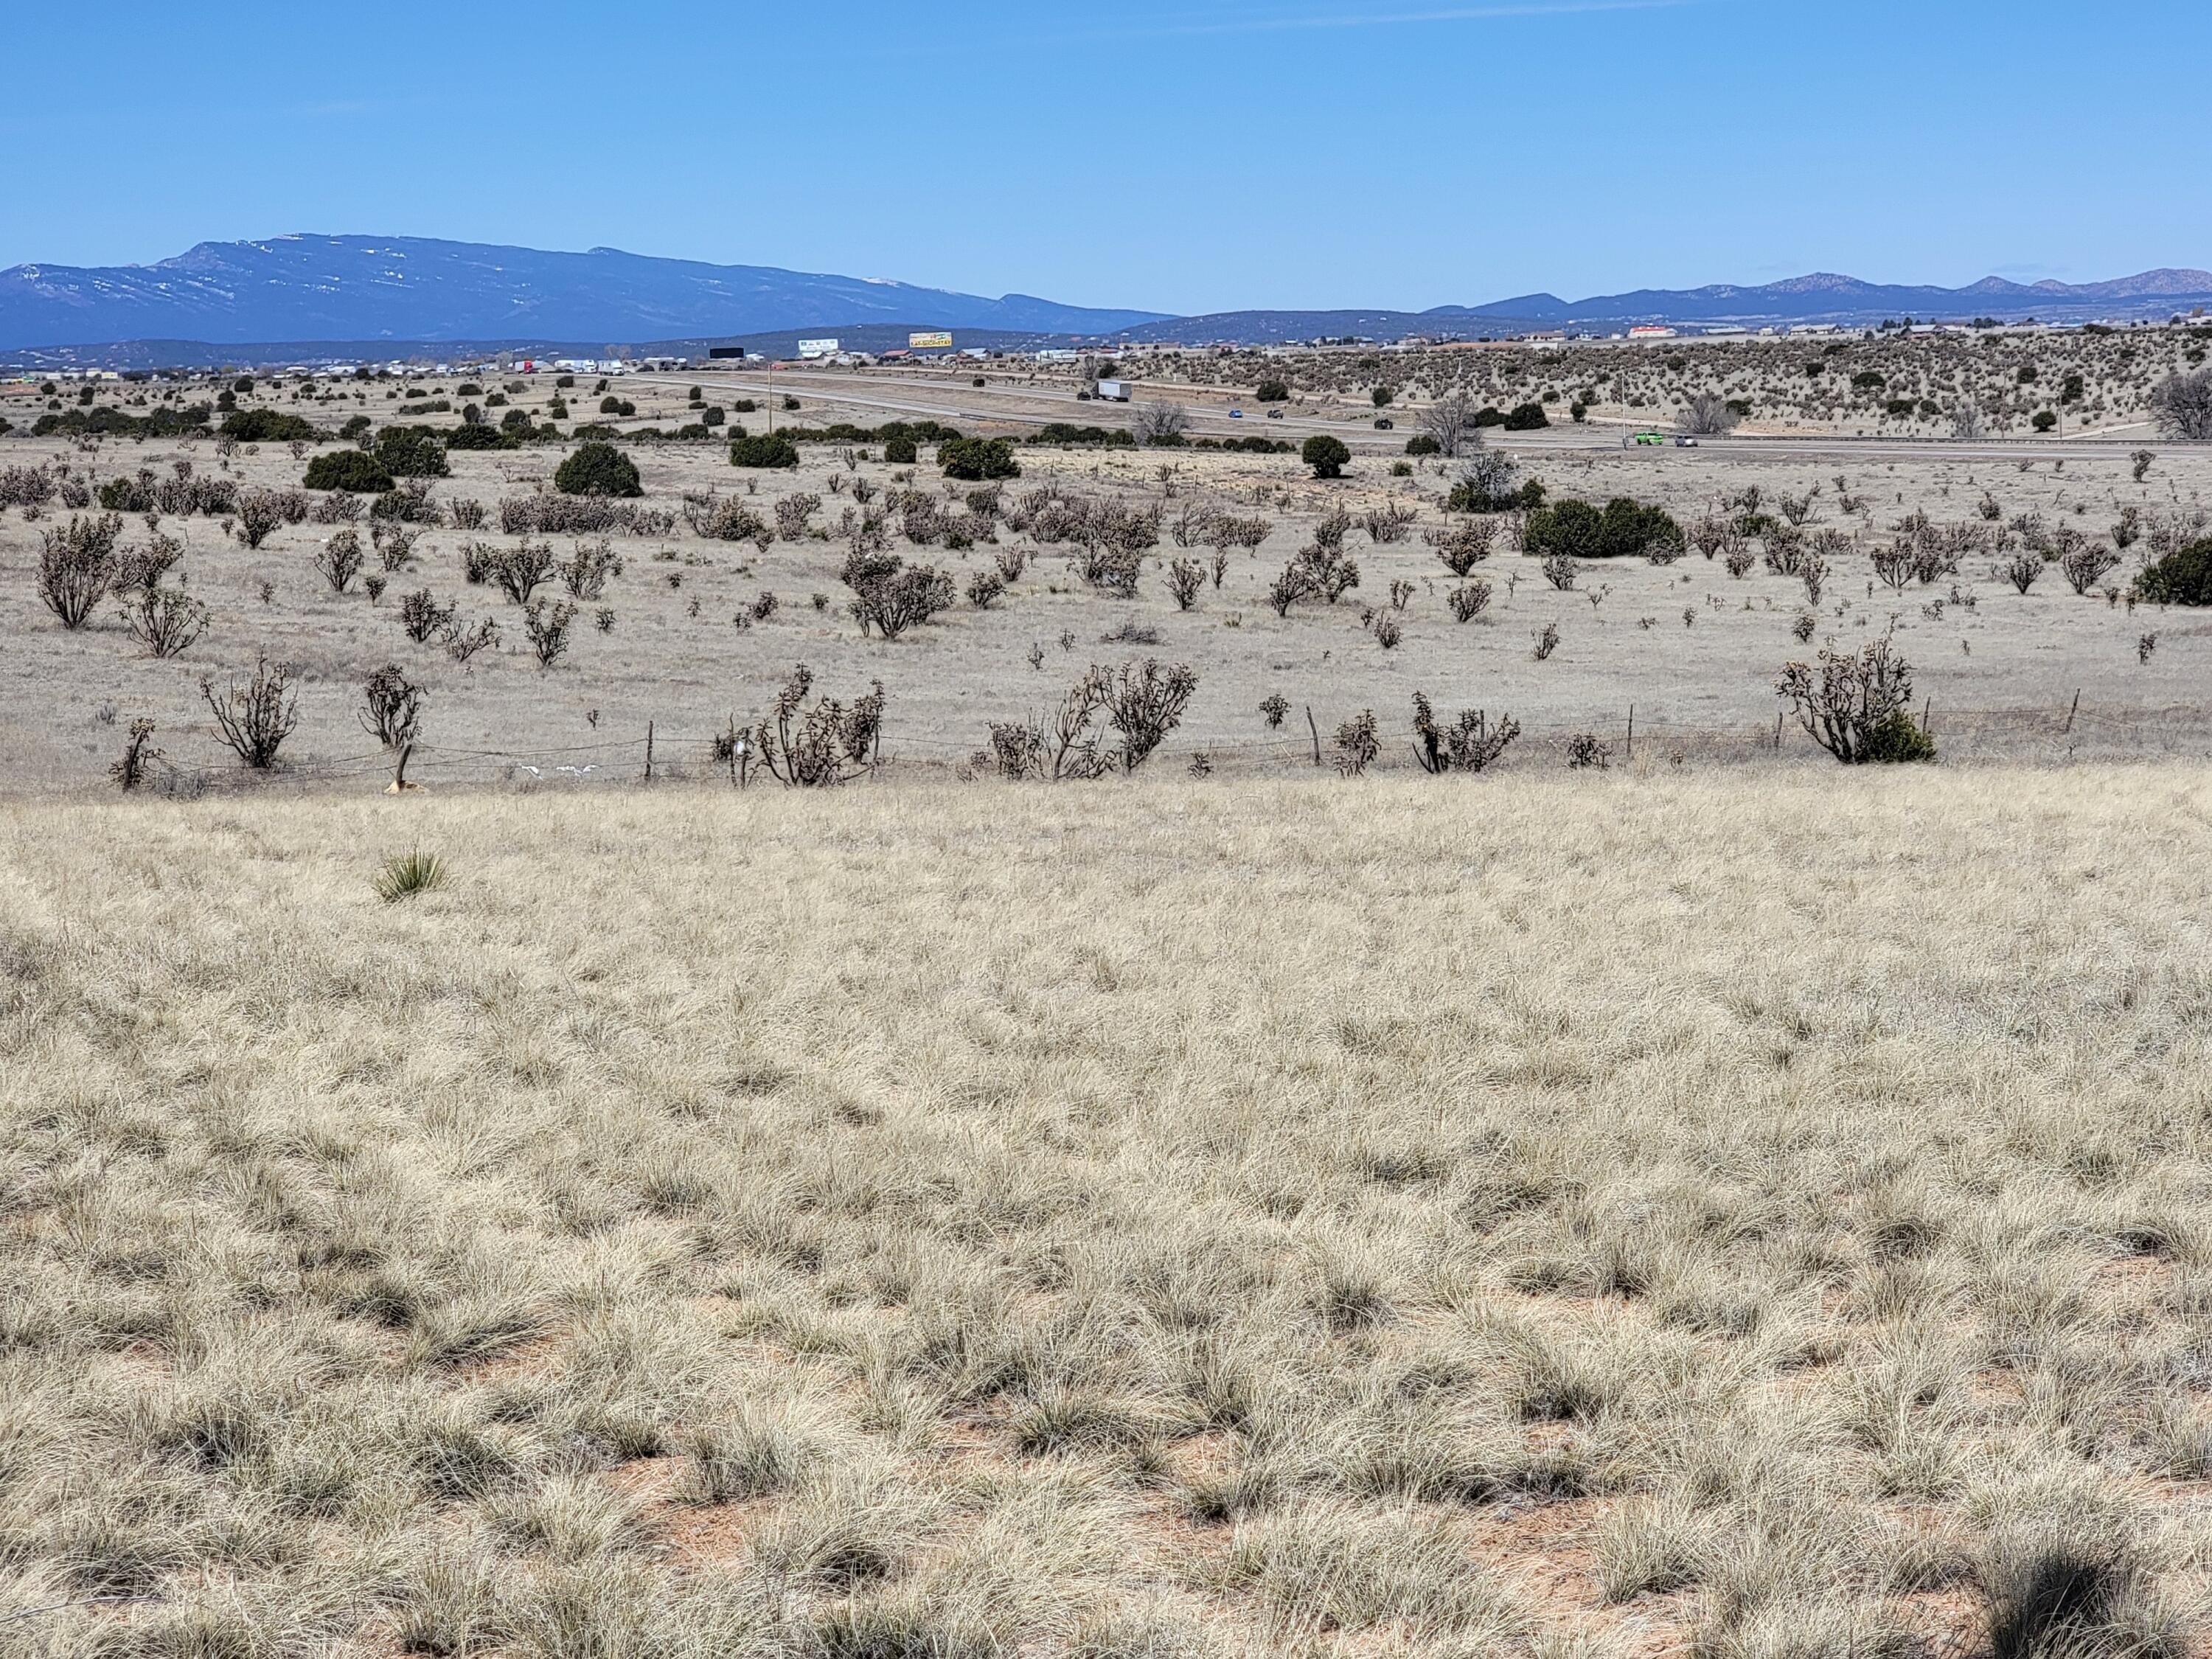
(1202, 156)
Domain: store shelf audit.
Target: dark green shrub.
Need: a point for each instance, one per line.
(481, 437)
(265, 426)
(978, 459)
(1625, 528)
(412, 452)
(2044, 420)
(2182, 577)
(769, 449)
(354, 429)
(353, 470)
(597, 469)
(1272, 391)
(1423, 445)
(1898, 738)
(1327, 456)
(900, 451)
(1526, 417)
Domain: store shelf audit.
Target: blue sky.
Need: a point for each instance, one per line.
(1188, 157)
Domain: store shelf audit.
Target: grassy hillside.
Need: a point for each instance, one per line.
(1301, 1217)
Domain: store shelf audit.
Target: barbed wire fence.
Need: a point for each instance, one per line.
(2056, 734)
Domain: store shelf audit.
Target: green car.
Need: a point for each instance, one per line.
(1639, 440)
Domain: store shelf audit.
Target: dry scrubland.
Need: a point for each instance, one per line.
(1899, 384)
(1577, 1214)
(700, 630)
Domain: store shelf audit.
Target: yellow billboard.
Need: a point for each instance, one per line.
(925, 342)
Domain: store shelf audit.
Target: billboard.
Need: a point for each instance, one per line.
(817, 347)
(940, 339)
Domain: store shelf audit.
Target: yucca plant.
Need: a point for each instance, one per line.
(408, 873)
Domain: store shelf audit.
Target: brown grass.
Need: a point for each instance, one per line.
(1598, 1213)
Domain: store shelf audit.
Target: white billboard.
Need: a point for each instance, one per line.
(817, 347)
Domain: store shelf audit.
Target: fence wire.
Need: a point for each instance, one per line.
(2038, 735)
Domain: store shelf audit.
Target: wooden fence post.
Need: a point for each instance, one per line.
(1316, 730)
(648, 751)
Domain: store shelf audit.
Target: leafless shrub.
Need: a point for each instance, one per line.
(142, 567)
(410, 501)
(1391, 524)
(1706, 414)
(1192, 525)
(1560, 571)
(1145, 701)
(1796, 509)
(1226, 530)
(1845, 703)
(1274, 706)
(254, 718)
(519, 571)
(821, 745)
(260, 515)
(421, 618)
(130, 768)
(1450, 420)
(1011, 562)
(1469, 743)
(1469, 600)
(76, 565)
(1186, 581)
(1463, 544)
(462, 641)
(588, 567)
(466, 513)
(1388, 631)
(2085, 566)
(984, 588)
(1156, 421)
(723, 518)
(1814, 569)
(394, 545)
(793, 512)
(2182, 405)
(167, 621)
(1584, 749)
(392, 712)
(339, 560)
(25, 486)
(1548, 641)
(2020, 570)
(545, 513)
(1357, 743)
(891, 595)
(547, 622)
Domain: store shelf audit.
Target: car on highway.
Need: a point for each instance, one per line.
(1384, 424)
(1644, 440)
(1684, 440)
(1274, 414)
(1235, 414)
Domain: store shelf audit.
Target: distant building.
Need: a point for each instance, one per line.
(1651, 332)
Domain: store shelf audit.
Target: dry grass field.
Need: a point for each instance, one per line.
(1559, 1214)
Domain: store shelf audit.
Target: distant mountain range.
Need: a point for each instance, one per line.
(1822, 297)
(405, 288)
(360, 296)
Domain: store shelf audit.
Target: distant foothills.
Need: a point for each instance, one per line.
(359, 296)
